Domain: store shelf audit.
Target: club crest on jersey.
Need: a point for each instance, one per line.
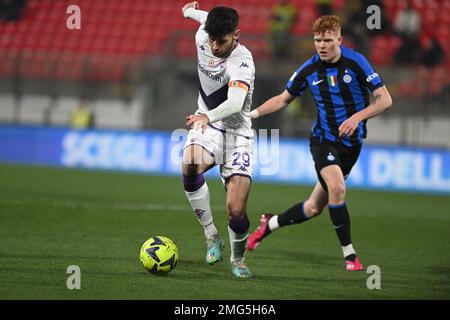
(330, 157)
(347, 78)
(332, 81)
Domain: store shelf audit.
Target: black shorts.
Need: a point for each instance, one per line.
(326, 153)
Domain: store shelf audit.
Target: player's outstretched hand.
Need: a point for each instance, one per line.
(197, 121)
(193, 4)
(349, 126)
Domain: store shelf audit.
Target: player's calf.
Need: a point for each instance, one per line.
(197, 193)
(311, 209)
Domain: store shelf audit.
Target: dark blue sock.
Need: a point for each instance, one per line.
(341, 222)
(293, 215)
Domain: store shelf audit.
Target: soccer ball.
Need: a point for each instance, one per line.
(159, 255)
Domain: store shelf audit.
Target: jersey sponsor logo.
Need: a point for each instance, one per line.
(209, 74)
(315, 83)
(372, 76)
(244, 65)
(211, 62)
(293, 76)
(347, 78)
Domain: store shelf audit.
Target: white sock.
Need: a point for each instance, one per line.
(273, 223)
(348, 250)
(238, 245)
(201, 206)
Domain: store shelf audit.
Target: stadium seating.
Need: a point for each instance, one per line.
(119, 31)
(433, 22)
(116, 35)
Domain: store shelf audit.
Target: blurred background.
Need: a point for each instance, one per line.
(132, 64)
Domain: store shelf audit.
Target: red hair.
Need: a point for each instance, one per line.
(327, 23)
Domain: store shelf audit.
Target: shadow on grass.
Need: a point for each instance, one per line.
(302, 258)
(62, 257)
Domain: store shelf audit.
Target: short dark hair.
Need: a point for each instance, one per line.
(221, 21)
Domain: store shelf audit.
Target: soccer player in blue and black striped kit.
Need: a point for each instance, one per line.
(341, 81)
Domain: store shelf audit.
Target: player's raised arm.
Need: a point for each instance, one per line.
(273, 105)
(381, 103)
(191, 10)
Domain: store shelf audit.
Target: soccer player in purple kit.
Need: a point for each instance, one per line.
(221, 131)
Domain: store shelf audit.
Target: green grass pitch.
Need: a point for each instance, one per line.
(52, 218)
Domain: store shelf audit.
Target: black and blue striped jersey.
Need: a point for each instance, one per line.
(339, 89)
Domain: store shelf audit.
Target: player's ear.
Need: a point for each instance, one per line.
(236, 34)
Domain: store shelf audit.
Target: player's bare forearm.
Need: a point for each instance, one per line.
(272, 105)
(381, 103)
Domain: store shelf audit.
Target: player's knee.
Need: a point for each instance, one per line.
(235, 211)
(337, 191)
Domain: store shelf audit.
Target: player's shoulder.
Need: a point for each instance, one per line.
(241, 51)
(354, 55)
(201, 35)
(241, 57)
(309, 65)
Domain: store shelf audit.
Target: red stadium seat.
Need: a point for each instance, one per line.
(134, 29)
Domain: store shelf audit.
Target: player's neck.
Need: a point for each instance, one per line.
(235, 44)
(335, 59)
